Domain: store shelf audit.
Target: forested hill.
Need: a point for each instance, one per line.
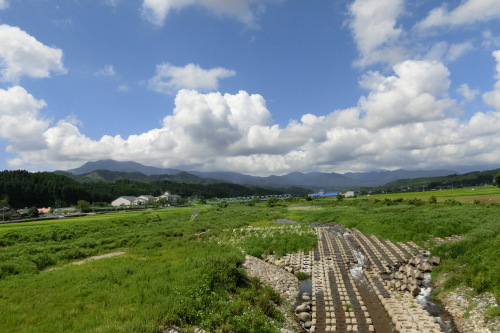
(467, 179)
(112, 176)
(47, 189)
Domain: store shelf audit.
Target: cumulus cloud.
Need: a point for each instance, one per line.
(468, 93)
(156, 11)
(468, 12)
(214, 131)
(373, 26)
(492, 98)
(20, 119)
(22, 55)
(169, 79)
(4, 4)
(411, 95)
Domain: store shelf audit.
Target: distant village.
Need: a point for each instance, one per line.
(125, 201)
(144, 199)
(323, 194)
(166, 198)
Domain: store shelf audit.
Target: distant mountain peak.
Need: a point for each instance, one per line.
(127, 166)
(315, 180)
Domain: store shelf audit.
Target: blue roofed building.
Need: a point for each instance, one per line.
(322, 194)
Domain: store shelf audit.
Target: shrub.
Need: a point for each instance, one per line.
(43, 261)
(74, 253)
(7, 269)
(302, 276)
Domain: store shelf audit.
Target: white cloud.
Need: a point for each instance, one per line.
(492, 98)
(4, 4)
(403, 121)
(468, 93)
(156, 11)
(458, 50)
(106, 71)
(20, 120)
(443, 51)
(468, 12)
(412, 95)
(490, 40)
(22, 55)
(496, 55)
(123, 88)
(169, 79)
(373, 25)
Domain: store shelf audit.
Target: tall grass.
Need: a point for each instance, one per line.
(173, 272)
(472, 262)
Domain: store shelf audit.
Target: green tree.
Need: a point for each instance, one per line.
(33, 212)
(83, 205)
(433, 199)
(497, 179)
(271, 202)
(4, 201)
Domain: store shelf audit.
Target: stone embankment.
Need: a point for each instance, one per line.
(359, 283)
(274, 275)
(469, 310)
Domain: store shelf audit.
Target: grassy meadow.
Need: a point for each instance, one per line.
(178, 271)
(175, 271)
(484, 194)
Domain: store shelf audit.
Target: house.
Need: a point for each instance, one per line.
(349, 194)
(43, 210)
(144, 199)
(9, 213)
(167, 196)
(322, 194)
(124, 201)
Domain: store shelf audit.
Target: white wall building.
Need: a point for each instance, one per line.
(126, 200)
(167, 196)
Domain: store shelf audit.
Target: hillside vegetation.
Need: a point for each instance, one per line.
(476, 178)
(46, 189)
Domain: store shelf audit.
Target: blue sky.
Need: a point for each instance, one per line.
(253, 86)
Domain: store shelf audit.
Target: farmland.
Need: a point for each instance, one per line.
(178, 271)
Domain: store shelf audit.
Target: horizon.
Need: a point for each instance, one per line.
(257, 87)
(474, 169)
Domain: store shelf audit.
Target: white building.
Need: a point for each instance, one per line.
(349, 194)
(144, 199)
(126, 200)
(167, 196)
(129, 200)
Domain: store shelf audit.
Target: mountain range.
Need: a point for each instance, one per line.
(110, 170)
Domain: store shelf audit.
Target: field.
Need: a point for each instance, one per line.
(486, 194)
(178, 271)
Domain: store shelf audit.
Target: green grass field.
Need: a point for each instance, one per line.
(486, 194)
(178, 271)
(175, 271)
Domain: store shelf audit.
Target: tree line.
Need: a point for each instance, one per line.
(476, 178)
(21, 189)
